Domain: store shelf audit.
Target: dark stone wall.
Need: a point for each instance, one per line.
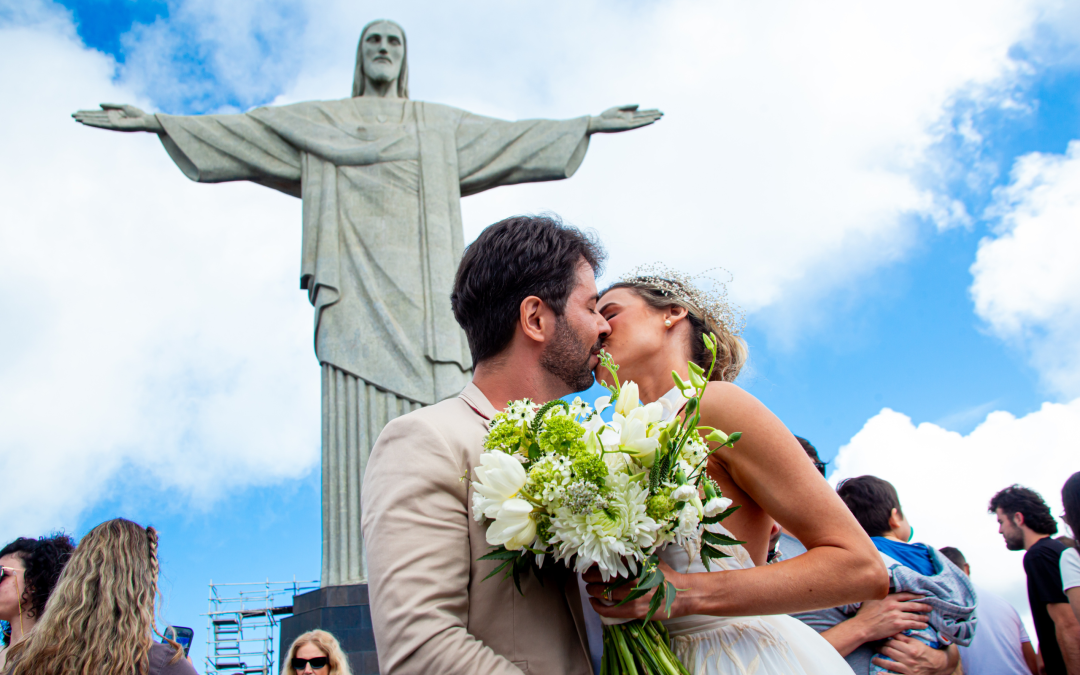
(342, 611)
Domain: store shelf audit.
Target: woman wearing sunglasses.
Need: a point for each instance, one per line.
(100, 618)
(29, 569)
(316, 652)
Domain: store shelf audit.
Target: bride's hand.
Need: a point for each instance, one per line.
(639, 608)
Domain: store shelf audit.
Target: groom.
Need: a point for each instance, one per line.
(525, 294)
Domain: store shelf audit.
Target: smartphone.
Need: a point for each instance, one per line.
(180, 634)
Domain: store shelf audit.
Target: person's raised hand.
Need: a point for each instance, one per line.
(895, 613)
(118, 117)
(912, 657)
(602, 593)
(622, 118)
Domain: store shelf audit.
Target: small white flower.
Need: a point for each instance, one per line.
(683, 493)
(579, 408)
(513, 526)
(716, 506)
(499, 478)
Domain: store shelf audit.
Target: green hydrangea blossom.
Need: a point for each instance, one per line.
(505, 434)
(588, 466)
(561, 435)
(543, 528)
(547, 478)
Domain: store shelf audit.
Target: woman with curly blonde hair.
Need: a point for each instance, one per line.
(100, 618)
(316, 652)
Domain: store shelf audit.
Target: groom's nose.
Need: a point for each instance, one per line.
(605, 328)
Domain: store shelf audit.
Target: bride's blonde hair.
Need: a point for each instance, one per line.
(100, 617)
(705, 314)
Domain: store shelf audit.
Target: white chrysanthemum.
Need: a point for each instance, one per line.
(612, 538)
(548, 478)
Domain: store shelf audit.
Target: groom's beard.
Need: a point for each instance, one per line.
(568, 357)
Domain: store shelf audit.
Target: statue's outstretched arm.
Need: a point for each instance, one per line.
(119, 117)
(622, 118)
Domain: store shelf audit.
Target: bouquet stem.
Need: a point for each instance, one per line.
(639, 647)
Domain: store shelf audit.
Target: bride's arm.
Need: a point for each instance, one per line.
(840, 566)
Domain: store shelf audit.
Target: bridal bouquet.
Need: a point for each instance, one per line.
(559, 482)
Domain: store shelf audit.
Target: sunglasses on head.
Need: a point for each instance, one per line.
(299, 664)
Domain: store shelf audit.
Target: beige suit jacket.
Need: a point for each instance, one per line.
(431, 610)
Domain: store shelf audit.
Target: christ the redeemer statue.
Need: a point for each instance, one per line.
(381, 178)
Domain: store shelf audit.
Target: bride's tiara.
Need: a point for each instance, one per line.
(706, 293)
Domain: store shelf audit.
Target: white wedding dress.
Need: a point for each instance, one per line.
(745, 645)
(742, 645)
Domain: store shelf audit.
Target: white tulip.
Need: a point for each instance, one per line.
(601, 404)
(716, 506)
(635, 440)
(513, 526)
(498, 478)
(628, 398)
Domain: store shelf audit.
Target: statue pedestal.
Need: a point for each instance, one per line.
(342, 611)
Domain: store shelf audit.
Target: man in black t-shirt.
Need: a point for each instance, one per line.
(1025, 522)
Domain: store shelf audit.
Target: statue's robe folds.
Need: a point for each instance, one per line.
(381, 182)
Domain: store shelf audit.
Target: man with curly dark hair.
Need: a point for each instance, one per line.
(1024, 520)
(30, 569)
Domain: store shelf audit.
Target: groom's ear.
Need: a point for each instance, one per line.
(535, 319)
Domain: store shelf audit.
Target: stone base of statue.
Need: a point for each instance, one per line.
(342, 611)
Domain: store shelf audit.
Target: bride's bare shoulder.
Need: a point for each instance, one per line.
(727, 401)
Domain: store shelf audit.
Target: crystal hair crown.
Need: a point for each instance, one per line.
(711, 301)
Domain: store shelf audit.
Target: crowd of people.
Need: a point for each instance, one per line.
(817, 580)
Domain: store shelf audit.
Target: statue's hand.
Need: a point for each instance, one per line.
(118, 118)
(622, 118)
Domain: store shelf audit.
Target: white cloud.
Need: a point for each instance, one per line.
(794, 138)
(945, 480)
(154, 333)
(157, 324)
(1027, 277)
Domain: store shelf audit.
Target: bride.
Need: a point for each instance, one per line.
(735, 620)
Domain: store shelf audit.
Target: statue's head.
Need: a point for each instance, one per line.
(381, 57)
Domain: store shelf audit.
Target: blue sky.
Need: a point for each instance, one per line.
(818, 180)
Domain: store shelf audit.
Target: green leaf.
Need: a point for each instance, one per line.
(654, 604)
(669, 593)
(718, 539)
(500, 553)
(709, 553)
(499, 569)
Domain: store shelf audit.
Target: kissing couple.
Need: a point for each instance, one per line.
(526, 296)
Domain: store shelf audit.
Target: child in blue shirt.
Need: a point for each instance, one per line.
(913, 568)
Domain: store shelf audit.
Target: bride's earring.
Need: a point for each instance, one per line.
(667, 322)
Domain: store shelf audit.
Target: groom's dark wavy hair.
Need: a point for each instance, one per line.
(509, 261)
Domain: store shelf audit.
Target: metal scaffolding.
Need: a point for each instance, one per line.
(242, 621)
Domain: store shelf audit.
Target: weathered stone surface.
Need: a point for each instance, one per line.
(381, 178)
